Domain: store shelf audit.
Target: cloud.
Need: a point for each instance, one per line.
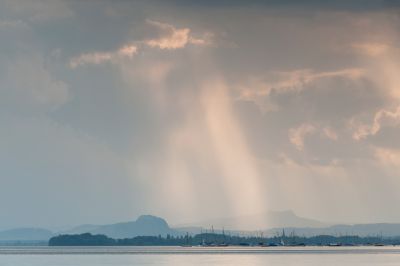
(372, 49)
(38, 10)
(330, 133)
(13, 24)
(296, 80)
(174, 38)
(40, 156)
(183, 133)
(29, 83)
(259, 88)
(381, 118)
(338, 5)
(388, 156)
(298, 134)
(171, 39)
(382, 64)
(96, 58)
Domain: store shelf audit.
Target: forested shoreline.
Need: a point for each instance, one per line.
(209, 239)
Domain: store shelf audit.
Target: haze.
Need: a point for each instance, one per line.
(194, 111)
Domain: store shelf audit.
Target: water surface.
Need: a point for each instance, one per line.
(175, 256)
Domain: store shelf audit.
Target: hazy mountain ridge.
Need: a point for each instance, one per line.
(25, 234)
(271, 219)
(148, 225)
(373, 229)
(80, 229)
(144, 225)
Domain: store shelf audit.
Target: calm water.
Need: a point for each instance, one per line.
(173, 256)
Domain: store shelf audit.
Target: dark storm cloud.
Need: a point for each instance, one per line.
(306, 4)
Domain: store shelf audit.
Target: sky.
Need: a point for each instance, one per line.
(194, 110)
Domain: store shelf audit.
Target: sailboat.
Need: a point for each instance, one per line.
(223, 244)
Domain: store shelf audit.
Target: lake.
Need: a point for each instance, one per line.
(176, 256)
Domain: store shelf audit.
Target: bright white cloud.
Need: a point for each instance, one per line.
(174, 38)
(96, 58)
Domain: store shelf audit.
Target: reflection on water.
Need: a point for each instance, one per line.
(173, 256)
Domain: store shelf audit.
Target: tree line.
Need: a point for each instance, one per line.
(213, 239)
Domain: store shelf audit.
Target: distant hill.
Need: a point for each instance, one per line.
(25, 234)
(81, 229)
(145, 225)
(273, 222)
(270, 223)
(378, 229)
(271, 219)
